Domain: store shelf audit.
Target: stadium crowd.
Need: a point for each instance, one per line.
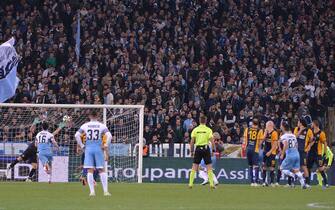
(232, 60)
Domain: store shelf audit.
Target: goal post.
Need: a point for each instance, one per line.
(20, 122)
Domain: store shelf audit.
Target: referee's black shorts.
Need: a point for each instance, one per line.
(202, 152)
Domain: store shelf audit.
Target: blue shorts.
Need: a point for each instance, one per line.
(45, 158)
(94, 158)
(290, 162)
(253, 157)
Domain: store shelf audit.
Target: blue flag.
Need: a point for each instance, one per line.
(9, 60)
(78, 37)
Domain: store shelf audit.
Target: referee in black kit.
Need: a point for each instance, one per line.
(201, 136)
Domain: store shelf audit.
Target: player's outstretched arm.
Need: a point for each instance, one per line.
(61, 125)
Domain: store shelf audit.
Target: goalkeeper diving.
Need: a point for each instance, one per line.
(95, 150)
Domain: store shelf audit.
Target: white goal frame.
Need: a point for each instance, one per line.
(104, 108)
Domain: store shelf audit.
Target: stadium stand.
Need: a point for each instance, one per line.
(233, 60)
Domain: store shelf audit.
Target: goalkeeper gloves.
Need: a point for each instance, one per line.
(61, 125)
(36, 121)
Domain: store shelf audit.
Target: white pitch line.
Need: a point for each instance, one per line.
(319, 206)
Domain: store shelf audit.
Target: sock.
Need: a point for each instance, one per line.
(318, 174)
(192, 175)
(203, 175)
(307, 178)
(289, 180)
(32, 172)
(324, 177)
(264, 175)
(210, 178)
(90, 181)
(256, 174)
(301, 178)
(272, 176)
(278, 175)
(251, 174)
(104, 181)
(13, 163)
(49, 176)
(288, 173)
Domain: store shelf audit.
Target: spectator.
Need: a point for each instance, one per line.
(188, 122)
(178, 59)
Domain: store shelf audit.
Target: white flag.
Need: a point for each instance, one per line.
(9, 60)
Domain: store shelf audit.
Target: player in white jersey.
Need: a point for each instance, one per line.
(44, 141)
(95, 149)
(291, 164)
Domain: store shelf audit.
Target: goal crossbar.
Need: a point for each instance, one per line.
(97, 106)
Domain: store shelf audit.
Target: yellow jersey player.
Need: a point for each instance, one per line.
(270, 152)
(201, 137)
(315, 154)
(304, 136)
(252, 140)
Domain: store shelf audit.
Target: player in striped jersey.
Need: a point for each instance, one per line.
(252, 139)
(305, 138)
(270, 151)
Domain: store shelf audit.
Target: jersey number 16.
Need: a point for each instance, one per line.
(42, 139)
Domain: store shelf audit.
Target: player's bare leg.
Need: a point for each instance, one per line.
(195, 168)
(90, 181)
(104, 181)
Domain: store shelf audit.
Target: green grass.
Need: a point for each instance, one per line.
(73, 196)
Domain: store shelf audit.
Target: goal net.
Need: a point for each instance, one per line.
(19, 124)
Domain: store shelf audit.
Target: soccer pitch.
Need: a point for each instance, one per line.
(73, 196)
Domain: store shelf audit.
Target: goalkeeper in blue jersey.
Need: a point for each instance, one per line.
(202, 167)
(328, 158)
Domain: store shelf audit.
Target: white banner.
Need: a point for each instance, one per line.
(60, 169)
(9, 60)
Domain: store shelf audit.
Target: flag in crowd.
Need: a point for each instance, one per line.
(9, 60)
(78, 37)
